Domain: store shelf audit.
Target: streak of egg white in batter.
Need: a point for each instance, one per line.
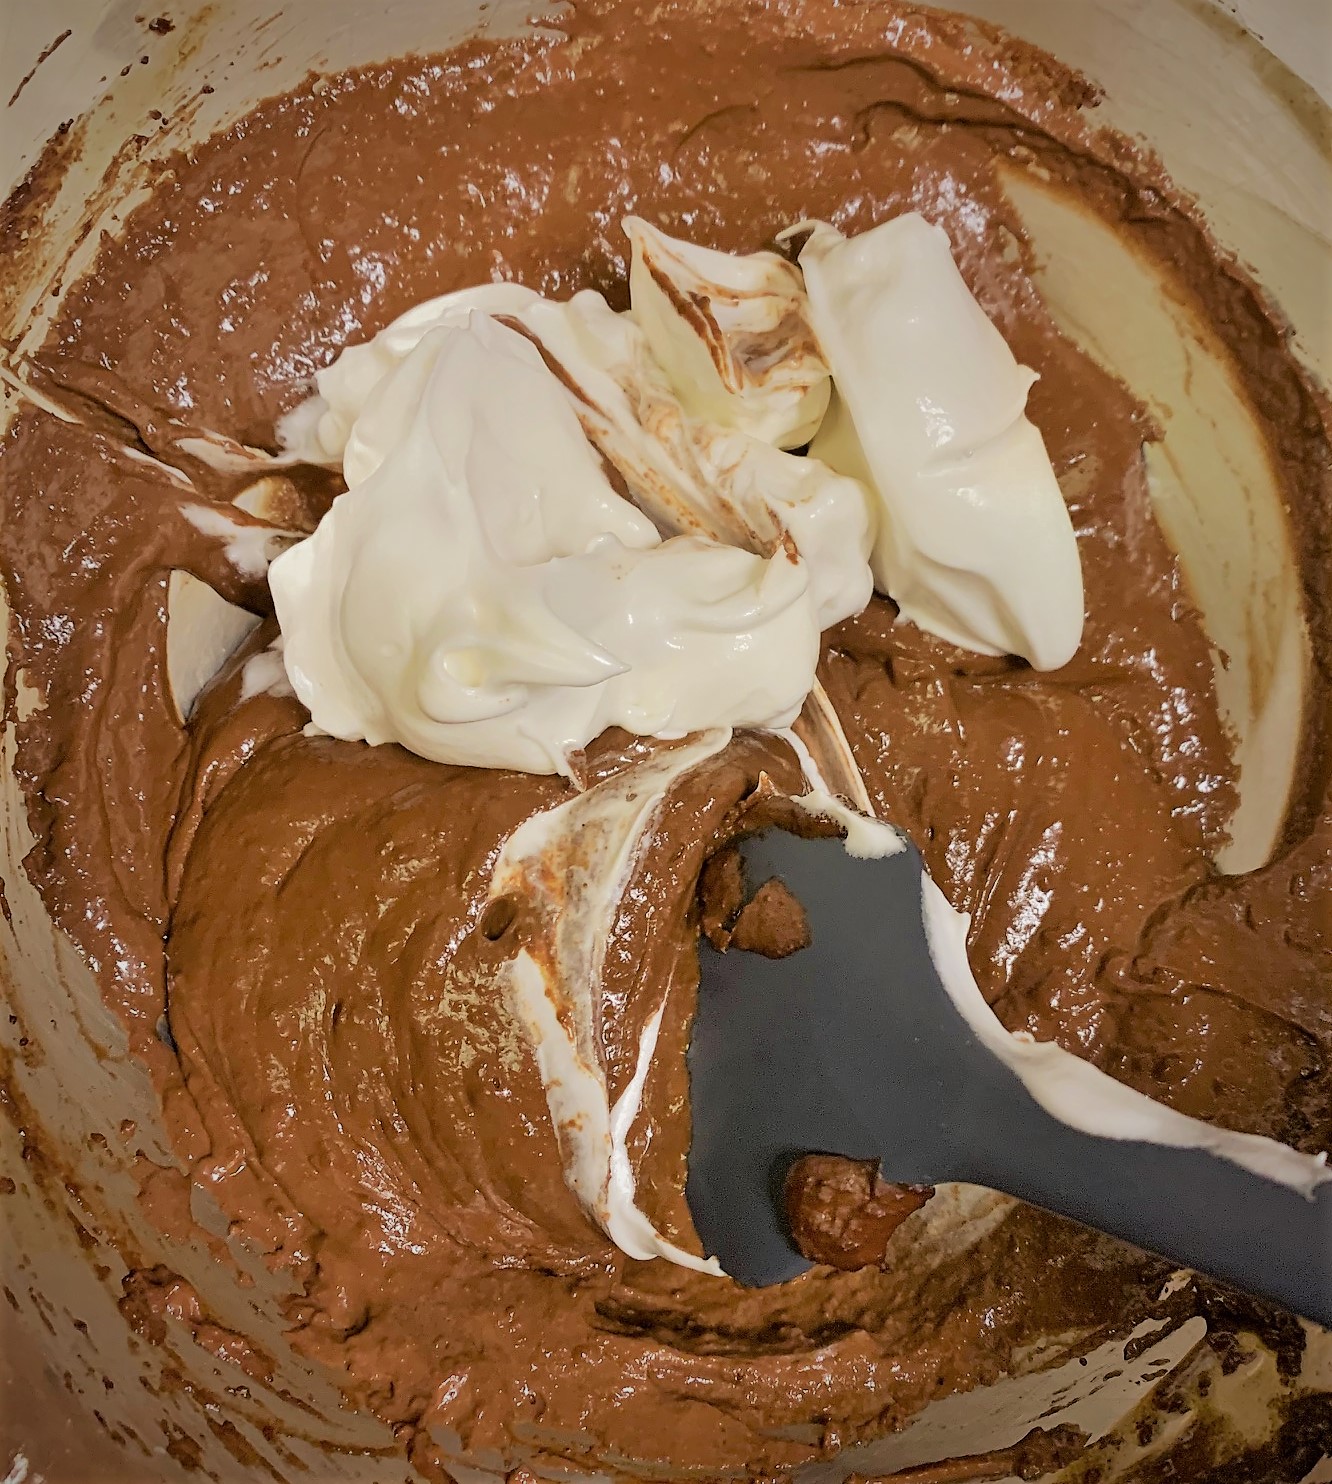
(864, 836)
(573, 863)
(594, 842)
(1081, 1095)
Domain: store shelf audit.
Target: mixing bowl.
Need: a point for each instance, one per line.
(109, 1374)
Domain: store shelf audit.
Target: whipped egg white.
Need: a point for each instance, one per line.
(561, 519)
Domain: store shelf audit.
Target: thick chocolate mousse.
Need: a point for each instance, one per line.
(299, 931)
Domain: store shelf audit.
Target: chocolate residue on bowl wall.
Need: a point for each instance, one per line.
(338, 1075)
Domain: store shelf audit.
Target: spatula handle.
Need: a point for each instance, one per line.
(1196, 1209)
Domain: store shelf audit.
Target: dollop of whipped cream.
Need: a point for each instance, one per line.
(974, 542)
(561, 519)
(483, 595)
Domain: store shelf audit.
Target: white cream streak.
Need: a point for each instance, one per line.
(732, 334)
(1081, 1095)
(573, 863)
(250, 548)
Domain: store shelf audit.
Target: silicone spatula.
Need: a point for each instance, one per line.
(853, 1046)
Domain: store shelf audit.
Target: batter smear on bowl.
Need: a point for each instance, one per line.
(312, 940)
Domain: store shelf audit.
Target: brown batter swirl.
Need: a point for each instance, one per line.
(291, 925)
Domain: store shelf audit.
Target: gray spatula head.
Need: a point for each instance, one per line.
(852, 1046)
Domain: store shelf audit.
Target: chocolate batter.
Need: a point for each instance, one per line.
(843, 1212)
(292, 927)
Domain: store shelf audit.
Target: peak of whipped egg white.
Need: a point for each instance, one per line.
(974, 540)
(732, 333)
(483, 594)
